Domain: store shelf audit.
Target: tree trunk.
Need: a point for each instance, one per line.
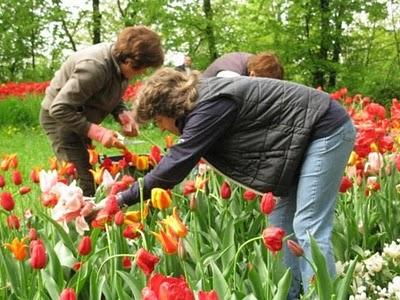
(96, 22)
(337, 45)
(319, 72)
(210, 30)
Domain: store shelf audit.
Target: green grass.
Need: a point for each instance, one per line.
(21, 133)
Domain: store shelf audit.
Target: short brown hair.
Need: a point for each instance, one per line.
(265, 64)
(168, 93)
(141, 46)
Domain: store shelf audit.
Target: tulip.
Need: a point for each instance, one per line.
(249, 195)
(132, 231)
(18, 248)
(112, 206)
(126, 262)
(155, 154)
(38, 255)
(119, 218)
(135, 216)
(211, 295)
(53, 163)
(146, 261)
(33, 235)
(34, 175)
(13, 222)
(268, 203)
(169, 141)
(24, 190)
(169, 242)
(174, 224)
(2, 181)
(77, 266)
(85, 246)
(295, 248)
(16, 177)
(160, 198)
(5, 163)
(189, 187)
(272, 238)
(225, 190)
(345, 184)
(93, 156)
(7, 201)
(13, 161)
(142, 163)
(166, 287)
(68, 294)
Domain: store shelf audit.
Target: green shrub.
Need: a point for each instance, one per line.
(20, 112)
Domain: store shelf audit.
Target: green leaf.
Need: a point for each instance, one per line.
(344, 283)
(284, 286)
(50, 284)
(65, 256)
(228, 243)
(219, 282)
(55, 269)
(13, 272)
(136, 291)
(64, 236)
(96, 286)
(324, 281)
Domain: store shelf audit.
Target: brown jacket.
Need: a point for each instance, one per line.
(87, 87)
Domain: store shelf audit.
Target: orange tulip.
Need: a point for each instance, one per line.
(169, 242)
(142, 163)
(18, 248)
(93, 156)
(13, 161)
(35, 175)
(53, 163)
(136, 216)
(169, 141)
(97, 174)
(174, 224)
(160, 198)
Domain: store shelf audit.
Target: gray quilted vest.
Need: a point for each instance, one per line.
(264, 147)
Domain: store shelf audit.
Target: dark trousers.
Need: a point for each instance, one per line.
(70, 147)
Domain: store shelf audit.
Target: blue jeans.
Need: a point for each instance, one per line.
(310, 206)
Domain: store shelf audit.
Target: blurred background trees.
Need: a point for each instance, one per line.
(327, 43)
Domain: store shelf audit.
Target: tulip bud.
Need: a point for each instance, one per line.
(249, 195)
(2, 181)
(38, 255)
(7, 201)
(272, 238)
(32, 234)
(35, 176)
(68, 294)
(85, 246)
(24, 190)
(16, 177)
(345, 184)
(119, 218)
(225, 190)
(268, 203)
(295, 248)
(126, 262)
(13, 222)
(77, 266)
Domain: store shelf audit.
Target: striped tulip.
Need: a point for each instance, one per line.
(174, 224)
(169, 242)
(160, 198)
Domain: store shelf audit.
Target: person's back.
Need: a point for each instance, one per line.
(265, 64)
(234, 62)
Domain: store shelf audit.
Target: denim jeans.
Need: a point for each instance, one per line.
(310, 206)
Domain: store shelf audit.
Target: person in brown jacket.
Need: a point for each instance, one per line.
(88, 87)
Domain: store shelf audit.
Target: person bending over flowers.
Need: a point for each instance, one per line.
(268, 135)
(88, 87)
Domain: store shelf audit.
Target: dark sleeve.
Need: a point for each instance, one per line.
(203, 127)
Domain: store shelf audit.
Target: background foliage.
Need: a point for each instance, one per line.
(328, 43)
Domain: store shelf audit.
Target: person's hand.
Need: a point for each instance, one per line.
(129, 126)
(106, 137)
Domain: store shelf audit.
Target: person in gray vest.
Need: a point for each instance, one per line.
(266, 134)
(265, 64)
(88, 87)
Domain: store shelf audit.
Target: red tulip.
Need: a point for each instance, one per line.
(33, 235)
(268, 203)
(68, 294)
(295, 248)
(166, 287)
(126, 262)
(38, 255)
(345, 184)
(211, 295)
(146, 261)
(7, 201)
(272, 238)
(155, 154)
(35, 176)
(131, 231)
(13, 222)
(119, 218)
(85, 246)
(225, 190)
(2, 181)
(24, 190)
(249, 195)
(77, 266)
(16, 177)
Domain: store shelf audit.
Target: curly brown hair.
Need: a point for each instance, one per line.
(265, 64)
(139, 45)
(168, 93)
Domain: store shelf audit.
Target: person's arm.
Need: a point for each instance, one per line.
(87, 78)
(203, 128)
